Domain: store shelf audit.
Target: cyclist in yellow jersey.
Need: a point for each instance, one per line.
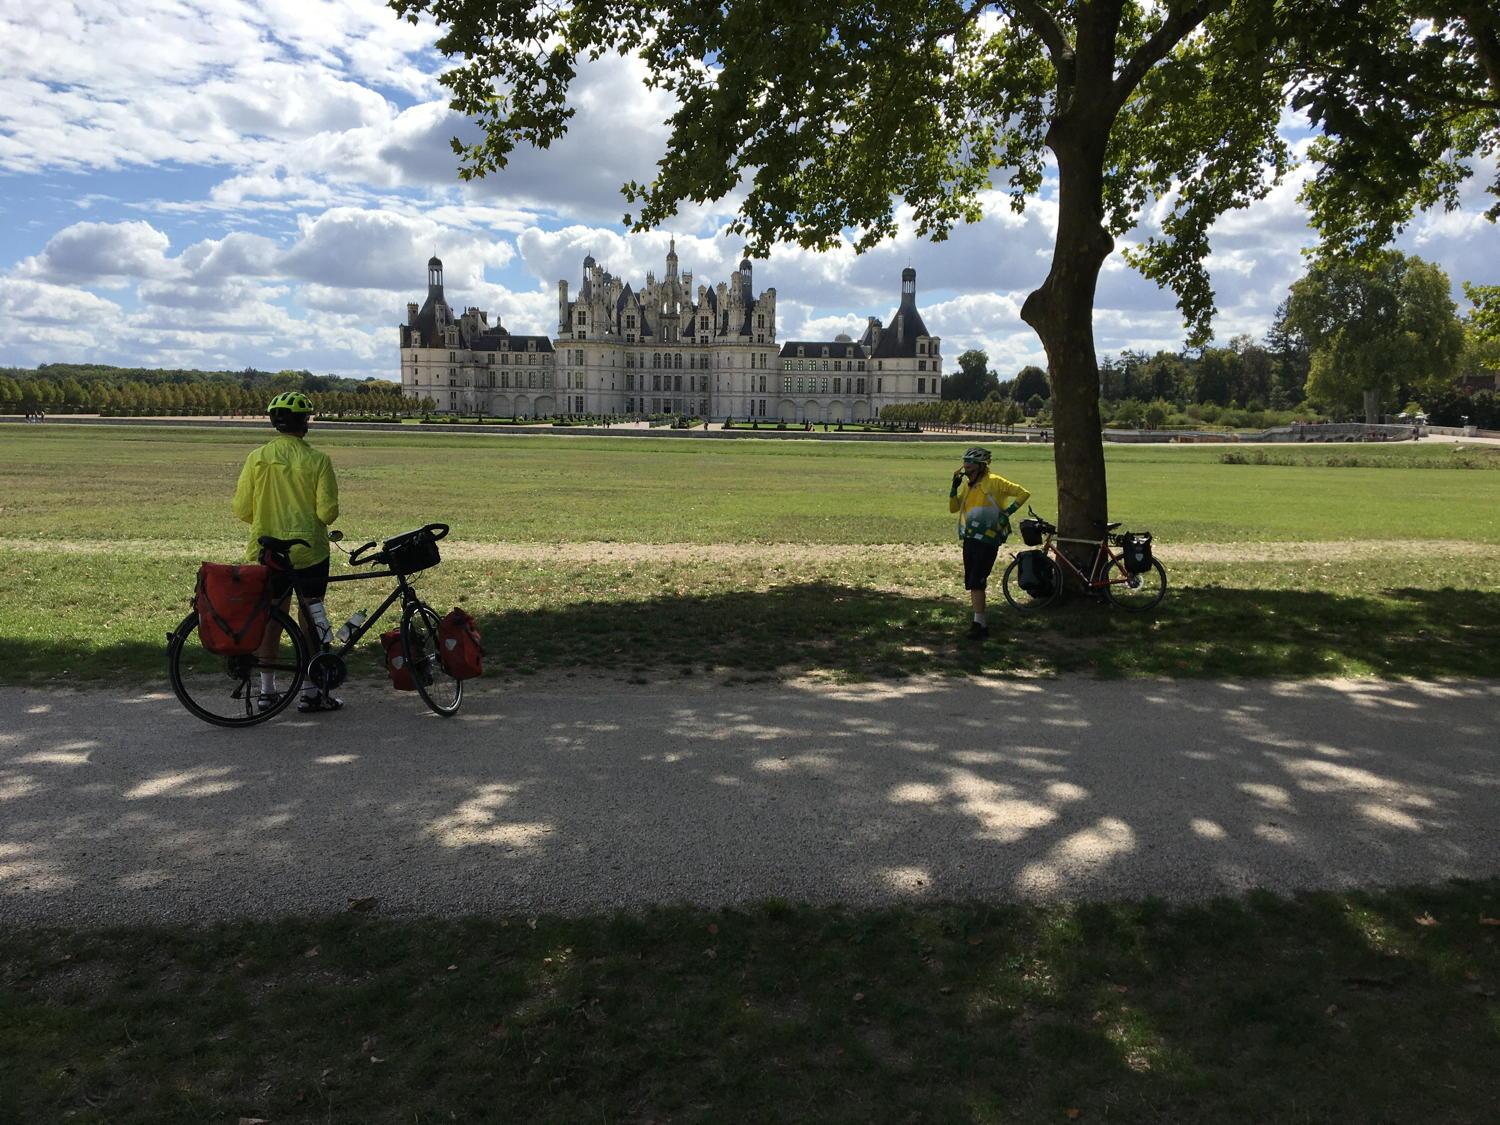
(288, 490)
(984, 503)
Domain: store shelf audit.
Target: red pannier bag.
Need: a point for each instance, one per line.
(395, 662)
(458, 646)
(234, 606)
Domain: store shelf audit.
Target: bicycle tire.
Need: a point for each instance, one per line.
(420, 645)
(1019, 598)
(1152, 589)
(199, 678)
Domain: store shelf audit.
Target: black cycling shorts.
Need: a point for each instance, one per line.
(310, 582)
(979, 560)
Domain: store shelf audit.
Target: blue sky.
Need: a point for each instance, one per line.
(227, 184)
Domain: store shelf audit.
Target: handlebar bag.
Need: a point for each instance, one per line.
(1031, 532)
(234, 606)
(1034, 573)
(395, 661)
(1137, 548)
(412, 551)
(458, 646)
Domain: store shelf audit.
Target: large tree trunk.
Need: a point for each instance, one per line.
(1372, 404)
(1062, 312)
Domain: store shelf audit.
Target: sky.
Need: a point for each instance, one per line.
(222, 184)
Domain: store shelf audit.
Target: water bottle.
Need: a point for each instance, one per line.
(347, 629)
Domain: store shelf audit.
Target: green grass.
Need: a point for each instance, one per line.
(1353, 1007)
(100, 533)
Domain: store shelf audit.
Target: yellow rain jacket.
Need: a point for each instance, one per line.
(984, 508)
(287, 489)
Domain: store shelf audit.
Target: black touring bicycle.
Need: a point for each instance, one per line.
(215, 667)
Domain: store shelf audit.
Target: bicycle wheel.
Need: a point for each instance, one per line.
(224, 690)
(1021, 599)
(1136, 592)
(421, 645)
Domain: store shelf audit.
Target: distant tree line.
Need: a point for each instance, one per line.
(1351, 340)
(66, 388)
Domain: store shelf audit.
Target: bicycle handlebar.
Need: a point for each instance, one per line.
(357, 556)
(369, 553)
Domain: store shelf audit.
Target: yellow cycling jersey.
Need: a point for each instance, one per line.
(287, 489)
(984, 507)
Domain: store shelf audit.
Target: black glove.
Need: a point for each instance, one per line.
(956, 478)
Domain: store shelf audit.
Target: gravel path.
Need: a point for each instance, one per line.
(582, 795)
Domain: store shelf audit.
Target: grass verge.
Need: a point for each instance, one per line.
(89, 617)
(1354, 1007)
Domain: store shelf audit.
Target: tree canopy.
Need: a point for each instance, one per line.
(1482, 328)
(1030, 380)
(822, 119)
(1375, 325)
(973, 381)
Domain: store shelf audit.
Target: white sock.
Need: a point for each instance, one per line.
(979, 619)
(267, 683)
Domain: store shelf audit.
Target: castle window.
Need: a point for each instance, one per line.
(921, 365)
(921, 386)
(861, 389)
(786, 383)
(582, 317)
(836, 383)
(801, 350)
(823, 385)
(861, 365)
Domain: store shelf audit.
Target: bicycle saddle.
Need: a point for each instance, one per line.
(1106, 526)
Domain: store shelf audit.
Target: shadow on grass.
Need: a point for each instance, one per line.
(861, 633)
(855, 632)
(1352, 1008)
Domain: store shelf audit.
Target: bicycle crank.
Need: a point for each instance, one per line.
(327, 671)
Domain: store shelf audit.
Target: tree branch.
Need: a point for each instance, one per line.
(1034, 16)
(1173, 29)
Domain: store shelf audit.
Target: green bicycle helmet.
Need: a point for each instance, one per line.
(976, 456)
(289, 411)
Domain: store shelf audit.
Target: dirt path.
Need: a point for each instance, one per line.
(582, 795)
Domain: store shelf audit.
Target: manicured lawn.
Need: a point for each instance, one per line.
(1354, 1007)
(100, 532)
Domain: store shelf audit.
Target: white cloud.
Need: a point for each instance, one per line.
(107, 254)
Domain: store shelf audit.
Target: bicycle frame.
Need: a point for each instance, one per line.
(404, 591)
(1104, 558)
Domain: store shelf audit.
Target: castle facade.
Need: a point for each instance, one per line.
(665, 348)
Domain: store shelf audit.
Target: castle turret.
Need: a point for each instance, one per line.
(435, 279)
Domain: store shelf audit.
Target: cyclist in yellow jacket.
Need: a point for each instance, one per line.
(288, 490)
(984, 503)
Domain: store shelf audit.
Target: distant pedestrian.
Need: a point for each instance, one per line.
(984, 503)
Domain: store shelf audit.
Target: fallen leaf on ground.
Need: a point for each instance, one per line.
(1425, 920)
(366, 903)
(1074, 1114)
(313, 952)
(1483, 921)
